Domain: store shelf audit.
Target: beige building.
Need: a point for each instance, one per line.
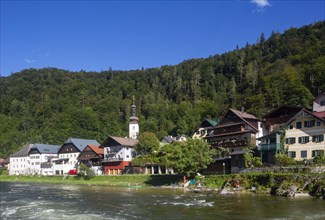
(305, 135)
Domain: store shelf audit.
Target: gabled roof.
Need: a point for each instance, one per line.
(22, 152)
(243, 114)
(210, 122)
(294, 107)
(306, 111)
(81, 143)
(120, 141)
(46, 148)
(167, 139)
(96, 149)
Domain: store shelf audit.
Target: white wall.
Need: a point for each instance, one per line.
(71, 163)
(133, 131)
(35, 164)
(125, 153)
(19, 165)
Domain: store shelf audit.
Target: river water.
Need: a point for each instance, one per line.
(53, 201)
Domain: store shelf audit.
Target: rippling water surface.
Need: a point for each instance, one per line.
(53, 201)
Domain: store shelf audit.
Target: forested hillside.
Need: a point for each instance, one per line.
(50, 105)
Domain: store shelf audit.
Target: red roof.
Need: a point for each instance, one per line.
(96, 149)
(243, 114)
(319, 114)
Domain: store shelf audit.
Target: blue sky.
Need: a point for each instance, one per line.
(125, 35)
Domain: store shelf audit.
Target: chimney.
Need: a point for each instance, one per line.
(242, 110)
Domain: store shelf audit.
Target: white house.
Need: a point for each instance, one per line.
(68, 155)
(41, 156)
(118, 153)
(19, 162)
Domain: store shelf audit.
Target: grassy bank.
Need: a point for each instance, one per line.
(123, 180)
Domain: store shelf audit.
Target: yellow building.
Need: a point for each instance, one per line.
(305, 135)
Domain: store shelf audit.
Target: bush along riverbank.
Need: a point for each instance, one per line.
(279, 184)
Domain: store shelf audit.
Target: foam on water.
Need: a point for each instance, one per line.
(196, 203)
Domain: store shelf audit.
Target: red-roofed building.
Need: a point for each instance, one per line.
(92, 156)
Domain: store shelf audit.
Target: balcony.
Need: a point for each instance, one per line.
(112, 159)
(269, 147)
(45, 165)
(231, 144)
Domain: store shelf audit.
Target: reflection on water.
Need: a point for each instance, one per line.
(53, 201)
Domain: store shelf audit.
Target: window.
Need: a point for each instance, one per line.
(127, 156)
(292, 154)
(291, 127)
(322, 102)
(304, 139)
(309, 124)
(303, 154)
(316, 153)
(298, 125)
(318, 123)
(290, 140)
(318, 138)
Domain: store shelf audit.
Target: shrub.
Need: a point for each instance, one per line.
(282, 160)
(85, 172)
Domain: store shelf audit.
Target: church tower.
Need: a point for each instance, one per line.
(134, 122)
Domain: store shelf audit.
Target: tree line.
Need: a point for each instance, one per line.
(50, 105)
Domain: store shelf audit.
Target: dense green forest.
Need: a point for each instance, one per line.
(50, 105)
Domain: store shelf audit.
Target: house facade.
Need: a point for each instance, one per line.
(305, 135)
(118, 153)
(303, 132)
(274, 123)
(68, 155)
(19, 162)
(235, 131)
(92, 156)
(40, 157)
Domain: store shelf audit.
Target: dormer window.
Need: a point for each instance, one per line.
(322, 102)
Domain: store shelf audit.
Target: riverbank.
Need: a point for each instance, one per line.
(282, 184)
(123, 180)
